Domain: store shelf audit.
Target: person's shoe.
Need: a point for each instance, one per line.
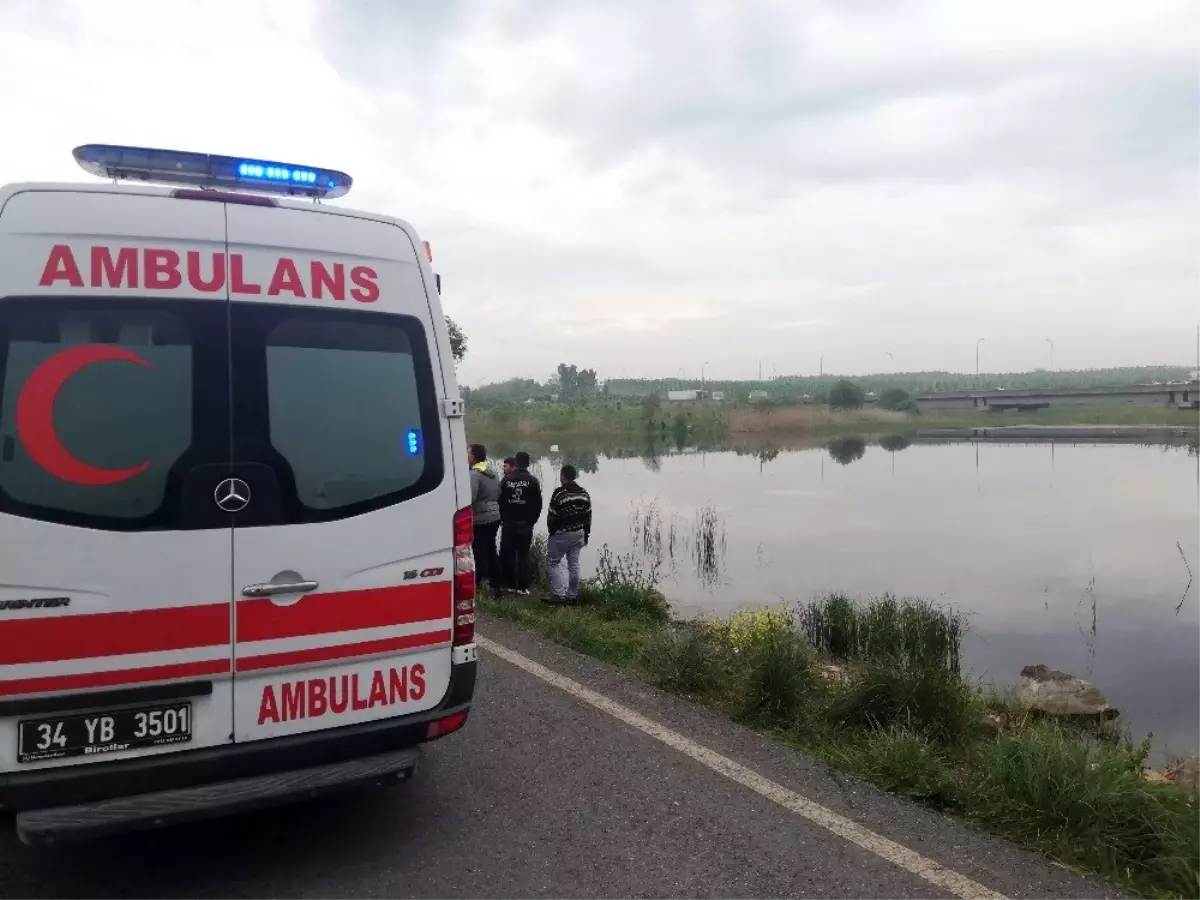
(555, 601)
(523, 592)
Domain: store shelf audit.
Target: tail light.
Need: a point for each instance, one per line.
(441, 727)
(464, 578)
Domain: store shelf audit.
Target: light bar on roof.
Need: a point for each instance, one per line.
(208, 171)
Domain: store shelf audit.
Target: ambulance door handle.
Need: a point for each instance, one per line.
(270, 590)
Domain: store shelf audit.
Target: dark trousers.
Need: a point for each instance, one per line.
(487, 563)
(515, 539)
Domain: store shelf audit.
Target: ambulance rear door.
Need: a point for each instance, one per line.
(115, 591)
(343, 554)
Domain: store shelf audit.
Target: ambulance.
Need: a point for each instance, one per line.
(235, 527)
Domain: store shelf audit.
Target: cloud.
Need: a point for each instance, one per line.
(648, 186)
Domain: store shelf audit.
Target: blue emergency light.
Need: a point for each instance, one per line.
(204, 170)
(413, 439)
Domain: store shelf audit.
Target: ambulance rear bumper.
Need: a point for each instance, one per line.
(331, 750)
(154, 810)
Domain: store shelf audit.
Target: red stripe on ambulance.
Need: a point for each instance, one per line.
(117, 678)
(55, 638)
(262, 620)
(312, 698)
(159, 269)
(342, 651)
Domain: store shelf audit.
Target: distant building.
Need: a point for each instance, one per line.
(759, 396)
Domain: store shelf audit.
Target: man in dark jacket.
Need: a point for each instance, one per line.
(569, 519)
(485, 513)
(520, 508)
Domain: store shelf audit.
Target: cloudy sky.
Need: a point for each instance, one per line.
(644, 186)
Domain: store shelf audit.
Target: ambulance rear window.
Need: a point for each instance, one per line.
(97, 408)
(351, 418)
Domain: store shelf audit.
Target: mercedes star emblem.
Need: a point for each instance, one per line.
(232, 495)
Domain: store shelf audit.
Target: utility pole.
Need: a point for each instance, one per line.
(977, 343)
(1051, 343)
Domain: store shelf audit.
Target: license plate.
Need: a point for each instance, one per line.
(103, 732)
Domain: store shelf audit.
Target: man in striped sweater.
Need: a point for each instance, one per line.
(569, 520)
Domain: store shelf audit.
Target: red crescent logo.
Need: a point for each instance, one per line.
(35, 415)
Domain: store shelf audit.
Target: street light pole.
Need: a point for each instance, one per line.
(977, 343)
(1051, 343)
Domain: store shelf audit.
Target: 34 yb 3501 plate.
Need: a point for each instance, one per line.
(87, 734)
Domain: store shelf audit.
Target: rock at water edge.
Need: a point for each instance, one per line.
(1061, 694)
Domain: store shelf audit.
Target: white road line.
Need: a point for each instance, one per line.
(897, 854)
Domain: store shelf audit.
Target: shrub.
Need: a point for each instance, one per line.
(898, 400)
(885, 695)
(846, 395)
(625, 588)
(1089, 803)
(778, 675)
(682, 659)
(749, 627)
(901, 761)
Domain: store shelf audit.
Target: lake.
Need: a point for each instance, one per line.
(1076, 556)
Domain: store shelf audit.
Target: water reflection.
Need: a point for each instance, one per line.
(1079, 556)
(846, 450)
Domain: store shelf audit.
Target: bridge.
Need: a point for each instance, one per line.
(1177, 395)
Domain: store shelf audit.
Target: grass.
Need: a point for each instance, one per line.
(873, 687)
(905, 632)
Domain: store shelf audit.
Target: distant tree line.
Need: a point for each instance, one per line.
(572, 384)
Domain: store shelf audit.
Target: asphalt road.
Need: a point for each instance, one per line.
(544, 796)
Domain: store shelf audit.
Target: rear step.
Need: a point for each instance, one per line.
(142, 811)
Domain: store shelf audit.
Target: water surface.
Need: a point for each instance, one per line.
(1076, 556)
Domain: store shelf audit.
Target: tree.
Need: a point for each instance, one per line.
(575, 383)
(898, 400)
(458, 340)
(846, 395)
(650, 407)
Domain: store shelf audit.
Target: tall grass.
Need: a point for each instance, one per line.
(708, 548)
(777, 676)
(1088, 803)
(911, 632)
(930, 701)
(625, 588)
(900, 761)
(659, 540)
(682, 659)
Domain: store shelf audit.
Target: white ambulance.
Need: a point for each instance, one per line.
(235, 528)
